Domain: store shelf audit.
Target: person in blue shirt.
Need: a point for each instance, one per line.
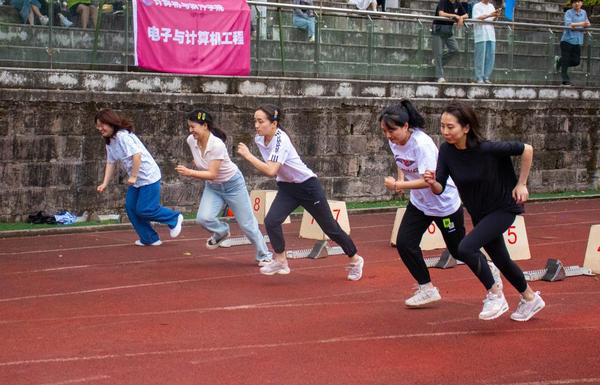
(572, 39)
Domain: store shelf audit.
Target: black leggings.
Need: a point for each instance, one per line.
(310, 195)
(487, 233)
(413, 226)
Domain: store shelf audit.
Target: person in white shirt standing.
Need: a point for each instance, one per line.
(297, 186)
(415, 152)
(225, 185)
(142, 201)
(485, 40)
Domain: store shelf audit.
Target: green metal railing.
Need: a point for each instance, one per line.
(349, 43)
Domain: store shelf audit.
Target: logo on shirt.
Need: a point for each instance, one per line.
(405, 162)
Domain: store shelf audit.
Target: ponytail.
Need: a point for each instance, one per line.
(397, 115)
(202, 116)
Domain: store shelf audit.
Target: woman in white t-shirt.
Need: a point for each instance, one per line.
(297, 186)
(415, 152)
(485, 40)
(225, 185)
(142, 201)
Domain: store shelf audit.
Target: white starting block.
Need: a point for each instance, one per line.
(592, 252)
(261, 201)
(310, 229)
(432, 237)
(555, 271)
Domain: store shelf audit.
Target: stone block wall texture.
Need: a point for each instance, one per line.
(52, 157)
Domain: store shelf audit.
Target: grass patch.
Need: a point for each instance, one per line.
(31, 226)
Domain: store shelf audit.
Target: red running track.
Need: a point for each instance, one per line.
(93, 309)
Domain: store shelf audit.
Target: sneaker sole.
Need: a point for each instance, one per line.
(424, 304)
(534, 312)
(503, 310)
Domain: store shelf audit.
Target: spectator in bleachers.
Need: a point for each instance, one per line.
(442, 34)
(370, 5)
(485, 40)
(28, 9)
(85, 9)
(304, 18)
(572, 39)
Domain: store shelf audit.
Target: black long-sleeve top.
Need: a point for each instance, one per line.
(484, 175)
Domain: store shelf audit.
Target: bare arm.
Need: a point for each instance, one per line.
(434, 185)
(210, 174)
(135, 168)
(268, 168)
(520, 192)
(109, 171)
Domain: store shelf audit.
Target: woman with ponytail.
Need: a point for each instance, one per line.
(297, 186)
(415, 152)
(142, 201)
(225, 185)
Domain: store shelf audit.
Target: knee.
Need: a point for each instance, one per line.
(272, 222)
(464, 249)
(203, 219)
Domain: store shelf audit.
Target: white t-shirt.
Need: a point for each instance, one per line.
(483, 31)
(215, 150)
(122, 147)
(281, 150)
(414, 158)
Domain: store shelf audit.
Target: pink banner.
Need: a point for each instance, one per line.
(204, 37)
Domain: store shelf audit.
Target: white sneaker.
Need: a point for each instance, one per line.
(139, 243)
(177, 229)
(212, 243)
(275, 267)
(494, 305)
(496, 275)
(441, 80)
(44, 20)
(423, 297)
(527, 309)
(64, 21)
(355, 269)
(480, 81)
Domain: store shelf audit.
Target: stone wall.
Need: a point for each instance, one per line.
(51, 156)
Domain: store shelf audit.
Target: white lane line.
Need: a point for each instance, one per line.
(263, 305)
(557, 382)
(333, 340)
(77, 380)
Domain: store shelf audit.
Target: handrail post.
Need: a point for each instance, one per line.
(420, 43)
(281, 45)
(127, 26)
(257, 40)
(370, 48)
(550, 51)
(50, 50)
(317, 69)
(588, 72)
(511, 49)
(97, 33)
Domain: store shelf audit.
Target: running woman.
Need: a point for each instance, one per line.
(142, 201)
(486, 180)
(225, 185)
(415, 152)
(297, 186)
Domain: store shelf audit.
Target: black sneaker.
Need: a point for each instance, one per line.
(212, 243)
(567, 83)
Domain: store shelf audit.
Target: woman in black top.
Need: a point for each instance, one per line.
(484, 175)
